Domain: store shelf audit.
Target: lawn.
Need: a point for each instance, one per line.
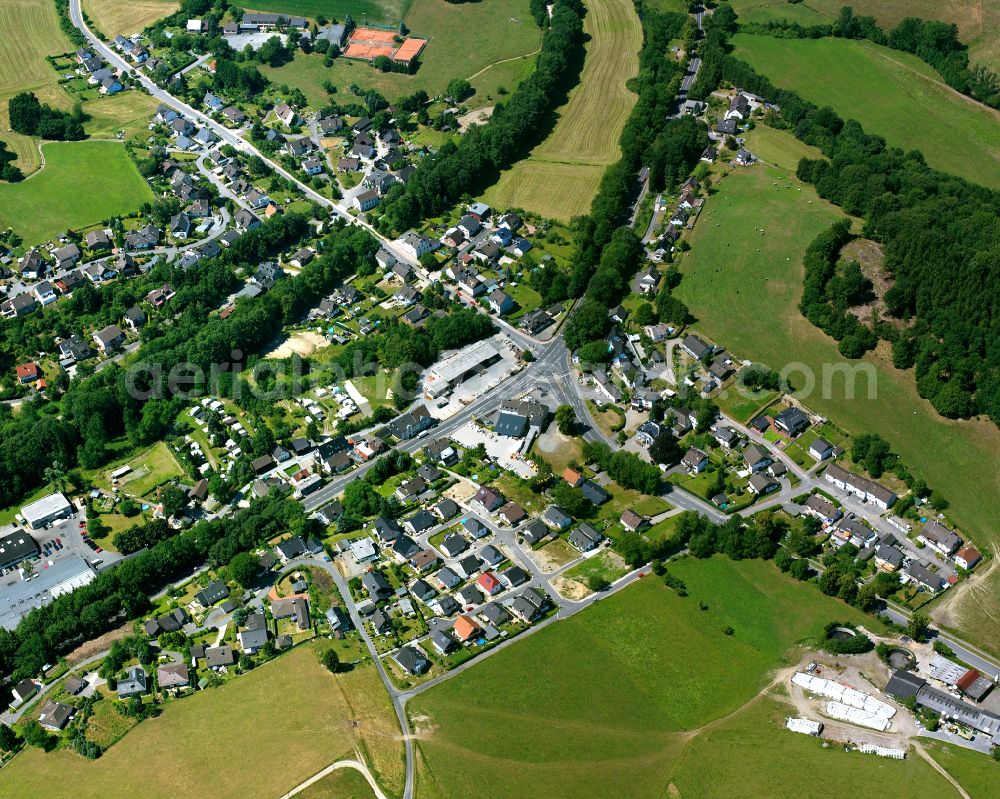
(129, 111)
(29, 30)
(746, 298)
(115, 18)
(464, 39)
(151, 469)
(82, 183)
(674, 670)
(887, 91)
(291, 708)
(560, 177)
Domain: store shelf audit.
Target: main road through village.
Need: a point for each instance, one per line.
(551, 370)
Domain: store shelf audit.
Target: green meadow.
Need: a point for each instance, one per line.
(81, 184)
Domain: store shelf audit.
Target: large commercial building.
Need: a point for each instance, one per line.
(46, 510)
(19, 596)
(15, 547)
(458, 368)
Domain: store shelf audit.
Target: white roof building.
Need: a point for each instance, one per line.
(45, 510)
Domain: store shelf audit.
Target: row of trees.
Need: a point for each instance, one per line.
(123, 593)
(9, 171)
(459, 169)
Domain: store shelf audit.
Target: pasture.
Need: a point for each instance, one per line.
(373, 11)
(51, 200)
(744, 289)
(752, 754)
(464, 41)
(115, 18)
(978, 774)
(674, 670)
(29, 30)
(560, 177)
(292, 709)
(978, 21)
(886, 91)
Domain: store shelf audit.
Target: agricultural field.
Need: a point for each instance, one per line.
(303, 717)
(724, 271)
(50, 201)
(560, 177)
(29, 30)
(464, 41)
(344, 783)
(886, 91)
(115, 18)
(551, 734)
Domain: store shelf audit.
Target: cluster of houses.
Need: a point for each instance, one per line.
(483, 243)
(97, 72)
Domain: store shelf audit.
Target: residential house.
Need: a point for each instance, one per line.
(109, 339)
(862, 487)
(820, 449)
(755, 458)
(695, 461)
(585, 537)
(791, 421)
(940, 538)
(133, 684)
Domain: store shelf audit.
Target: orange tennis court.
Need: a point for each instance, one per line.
(409, 50)
(371, 35)
(367, 51)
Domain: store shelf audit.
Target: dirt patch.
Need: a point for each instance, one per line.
(572, 590)
(300, 344)
(558, 450)
(870, 256)
(477, 116)
(96, 645)
(462, 491)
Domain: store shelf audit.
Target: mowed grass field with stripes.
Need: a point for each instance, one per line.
(560, 177)
(119, 18)
(29, 31)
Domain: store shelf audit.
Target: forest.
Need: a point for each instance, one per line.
(940, 236)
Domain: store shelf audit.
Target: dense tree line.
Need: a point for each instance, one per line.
(30, 117)
(940, 236)
(455, 170)
(646, 138)
(122, 593)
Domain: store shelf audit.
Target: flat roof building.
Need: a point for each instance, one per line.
(18, 597)
(45, 510)
(16, 547)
